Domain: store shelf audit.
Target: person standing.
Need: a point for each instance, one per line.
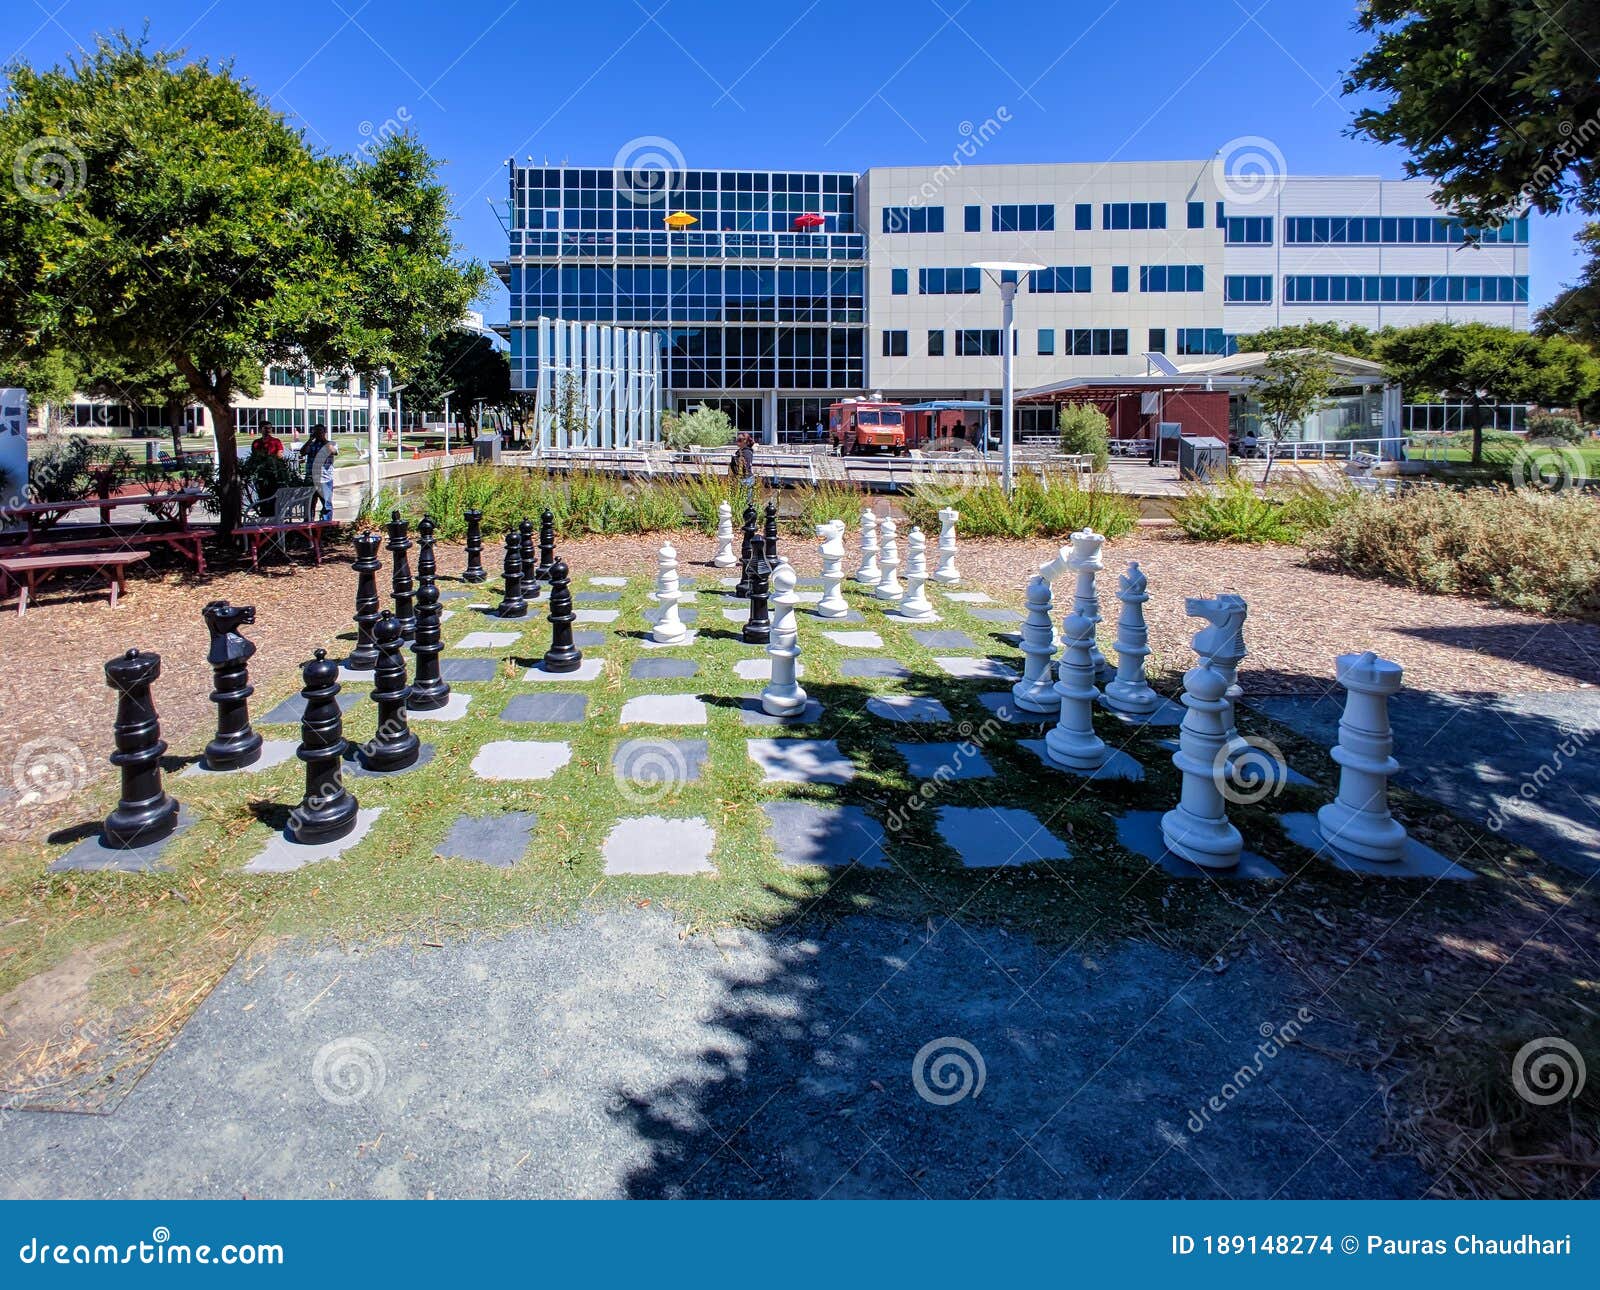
(743, 465)
(267, 442)
(318, 455)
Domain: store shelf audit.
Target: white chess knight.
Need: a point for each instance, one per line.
(833, 603)
(669, 628)
(1226, 649)
(869, 573)
(1357, 822)
(1085, 561)
(947, 575)
(1036, 691)
(889, 587)
(783, 696)
(1072, 742)
(914, 603)
(1128, 691)
(725, 557)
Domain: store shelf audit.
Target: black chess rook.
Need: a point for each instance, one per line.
(144, 813)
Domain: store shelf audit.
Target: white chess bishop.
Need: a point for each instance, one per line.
(1036, 691)
(725, 557)
(1128, 691)
(914, 604)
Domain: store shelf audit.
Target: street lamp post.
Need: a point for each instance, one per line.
(1000, 271)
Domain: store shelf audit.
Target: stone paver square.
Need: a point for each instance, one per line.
(548, 706)
(753, 714)
(659, 764)
(274, 752)
(804, 833)
(596, 597)
(521, 759)
(457, 670)
(760, 669)
(654, 844)
(664, 710)
(875, 668)
(283, 856)
(588, 640)
(945, 760)
(488, 640)
(738, 614)
(970, 597)
(608, 582)
(596, 615)
(588, 670)
(92, 855)
(997, 615)
(907, 707)
(989, 837)
(496, 840)
(801, 761)
(1140, 832)
(686, 614)
(976, 669)
(948, 639)
(1418, 860)
(662, 669)
(1004, 706)
(849, 616)
(856, 640)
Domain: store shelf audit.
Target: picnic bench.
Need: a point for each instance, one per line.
(28, 570)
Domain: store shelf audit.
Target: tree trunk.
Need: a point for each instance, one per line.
(1477, 432)
(215, 395)
(175, 425)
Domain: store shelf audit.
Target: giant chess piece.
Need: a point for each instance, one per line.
(1357, 822)
(475, 571)
(427, 557)
(1197, 829)
(869, 573)
(144, 813)
(947, 575)
(547, 544)
(364, 657)
(724, 558)
(915, 604)
(833, 603)
(1072, 742)
(563, 655)
(769, 534)
(1036, 691)
(530, 570)
(1129, 692)
(327, 812)
(512, 605)
(783, 696)
(1086, 562)
(747, 543)
(669, 628)
(235, 743)
(1224, 648)
(429, 691)
(758, 627)
(405, 605)
(889, 587)
(395, 746)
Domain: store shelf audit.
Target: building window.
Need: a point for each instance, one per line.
(1338, 230)
(1172, 277)
(1047, 340)
(1158, 340)
(913, 219)
(1204, 341)
(1061, 279)
(936, 344)
(285, 376)
(1222, 217)
(1247, 289)
(894, 344)
(1083, 342)
(1197, 214)
(1119, 277)
(898, 281)
(980, 343)
(1082, 217)
(949, 282)
(1133, 215)
(974, 222)
(1248, 230)
(1022, 219)
(1374, 289)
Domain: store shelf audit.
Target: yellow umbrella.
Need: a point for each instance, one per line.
(680, 220)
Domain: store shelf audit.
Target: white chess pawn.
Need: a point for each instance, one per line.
(1197, 829)
(669, 628)
(1224, 649)
(947, 574)
(783, 696)
(1085, 562)
(724, 558)
(1129, 692)
(1357, 822)
(1072, 742)
(915, 603)
(889, 587)
(832, 604)
(1036, 691)
(869, 573)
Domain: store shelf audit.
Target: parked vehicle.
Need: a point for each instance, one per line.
(859, 426)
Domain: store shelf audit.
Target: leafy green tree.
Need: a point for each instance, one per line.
(184, 223)
(1478, 364)
(1575, 311)
(463, 365)
(1497, 102)
(1085, 429)
(1292, 385)
(1331, 337)
(50, 375)
(702, 428)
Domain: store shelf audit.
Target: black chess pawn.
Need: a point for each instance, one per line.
(748, 540)
(364, 657)
(235, 743)
(758, 628)
(475, 571)
(144, 812)
(427, 557)
(770, 535)
(563, 655)
(547, 544)
(395, 746)
(530, 569)
(327, 812)
(512, 605)
(429, 690)
(405, 605)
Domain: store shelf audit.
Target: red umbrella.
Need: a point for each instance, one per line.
(810, 220)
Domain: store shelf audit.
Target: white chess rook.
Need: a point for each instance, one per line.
(1072, 742)
(1128, 691)
(725, 557)
(669, 628)
(915, 603)
(869, 573)
(1036, 691)
(1085, 561)
(833, 603)
(889, 587)
(947, 575)
(1357, 822)
(783, 696)
(1224, 650)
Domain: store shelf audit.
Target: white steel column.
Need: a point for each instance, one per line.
(591, 384)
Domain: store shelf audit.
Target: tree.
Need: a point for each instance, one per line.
(1479, 364)
(162, 387)
(464, 365)
(1498, 103)
(702, 428)
(1330, 337)
(1575, 312)
(184, 223)
(1085, 429)
(50, 375)
(1292, 386)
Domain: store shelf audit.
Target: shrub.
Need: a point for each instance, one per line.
(1551, 425)
(702, 428)
(1086, 429)
(1236, 512)
(62, 470)
(1054, 507)
(815, 504)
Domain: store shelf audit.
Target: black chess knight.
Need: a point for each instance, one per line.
(235, 743)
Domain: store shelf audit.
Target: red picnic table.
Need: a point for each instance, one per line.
(37, 537)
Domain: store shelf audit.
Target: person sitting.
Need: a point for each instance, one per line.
(1249, 444)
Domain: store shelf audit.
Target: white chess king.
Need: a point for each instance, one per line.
(783, 696)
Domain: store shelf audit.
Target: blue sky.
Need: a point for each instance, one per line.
(832, 84)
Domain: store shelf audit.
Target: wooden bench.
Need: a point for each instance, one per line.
(27, 570)
(255, 535)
